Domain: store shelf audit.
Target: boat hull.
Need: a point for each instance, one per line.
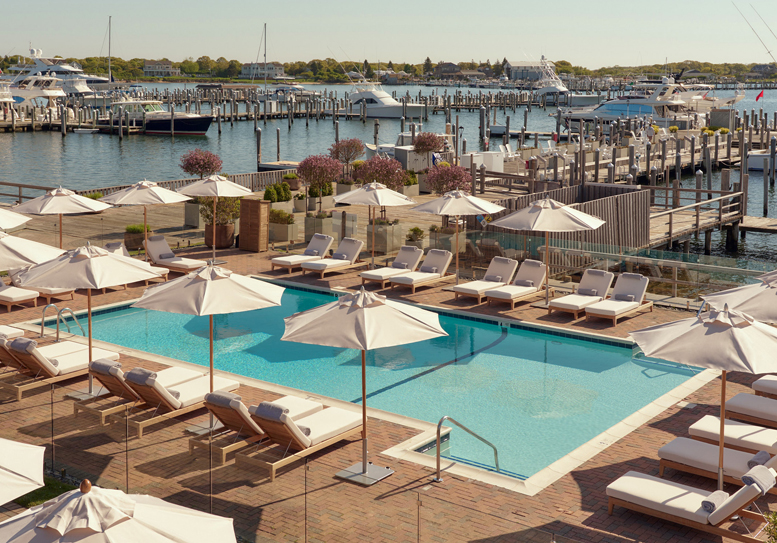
(184, 126)
(392, 112)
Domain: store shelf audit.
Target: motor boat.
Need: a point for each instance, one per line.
(380, 104)
(37, 90)
(156, 118)
(698, 96)
(549, 82)
(69, 73)
(5, 94)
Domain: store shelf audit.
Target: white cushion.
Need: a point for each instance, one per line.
(574, 301)
(381, 273)
(294, 260)
(476, 287)
(326, 264)
(660, 495)
(52, 350)
(9, 332)
(329, 423)
(704, 456)
(175, 375)
(737, 501)
(16, 294)
(508, 292)
(766, 384)
(180, 262)
(736, 434)
(412, 278)
(611, 308)
(79, 360)
(298, 407)
(194, 391)
(755, 406)
(159, 270)
(52, 291)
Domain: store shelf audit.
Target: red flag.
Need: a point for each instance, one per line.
(760, 95)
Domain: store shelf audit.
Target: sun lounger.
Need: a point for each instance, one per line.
(46, 293)
(682, 504)
(528, 283)
(119, 249)
(120, 395)
(628, 297)
(50, 364)
(593, 288)
(10, 332)
(766, 386)
(238, 430)
(10, 296)
(295, 440)
(431, 271)
(344, 258)
(751, 408)
(160, 254)
(699, 458)
(499, 273)
(162, 403)
(740, 436)
(407, 260)
(317, 249)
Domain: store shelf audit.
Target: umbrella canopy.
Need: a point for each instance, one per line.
(61, 202)
(724, 340)
(21, 469)
(363, 320)
(758, 300)
(9, 219)
(144, 193)
(549, 216)
(97, 515)
(18, 252)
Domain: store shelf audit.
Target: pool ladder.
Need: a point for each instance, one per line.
(438, 479)
(59, 316)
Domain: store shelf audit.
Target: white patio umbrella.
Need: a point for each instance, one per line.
(374, 194)
(60, 202)
(724, 340)
(16, 252)
(550, 216)
(87, 268)
(758, 300)
(97, 515)
(9, 219)
(213, 187)
(211, 291)
(21, 469)
(144, 193)
(458, 203)
(363, 320)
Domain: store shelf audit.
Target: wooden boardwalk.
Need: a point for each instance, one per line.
(685, 223)
(766, 225)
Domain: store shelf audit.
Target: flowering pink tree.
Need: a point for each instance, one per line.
(442, 179)
(387, 171)
(317, 171)
(346, 151)
(428, 142)
(200, 162)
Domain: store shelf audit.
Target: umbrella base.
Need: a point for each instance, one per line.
(540, 305)
(355, 474)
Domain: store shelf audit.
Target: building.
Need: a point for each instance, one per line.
(260, 70)
(526, 69)
(471, 74)
(160, 68)
(447, 70)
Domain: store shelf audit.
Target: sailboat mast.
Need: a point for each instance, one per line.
(265, 59)
(109, 50)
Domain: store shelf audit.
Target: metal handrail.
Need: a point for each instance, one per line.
(59, 313)
(43, 318)
(438, 479)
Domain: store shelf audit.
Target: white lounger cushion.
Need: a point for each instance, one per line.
(597, 280)
(736, 434)
(329, 423)
(9, 332)
(414, 277)
(175, 375)
(766, 384)
(16, 294)
(705, 456)
(52, 350)
(408, 254)
(294, 260)
(326, 264)
(380, 274)
(755, 406)
(76, 361)
(575, 301)
(499, 267)
(194, 391)
(319, 243)
(476, 287)
(611, 308)
(298, 407)
(508, 292)
(181, 263)
(159, 270)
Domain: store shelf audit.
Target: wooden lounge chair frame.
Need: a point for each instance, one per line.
(525, 297)
(357, 264)
(663, 464)
(232, 423)
(425, 282)
(288, 448)
(170, 266)
(646, 304)
(37, 376)
(8, 305)
(714, 529)
(126, 399)
(152, 402)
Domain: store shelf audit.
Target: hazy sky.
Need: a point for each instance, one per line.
(591, 34)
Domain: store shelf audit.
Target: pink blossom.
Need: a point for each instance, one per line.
(428, 142)
(442, 179)
(200, 162)
(346, 151)
(318, 170)
(387, 171)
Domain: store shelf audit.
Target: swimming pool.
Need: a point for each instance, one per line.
(536, 396)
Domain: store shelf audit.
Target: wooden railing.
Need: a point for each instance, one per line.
(727, 204)
(19, 191)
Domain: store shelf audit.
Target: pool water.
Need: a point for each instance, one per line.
(535, 396)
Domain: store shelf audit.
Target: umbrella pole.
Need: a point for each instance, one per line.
(145, 233)
(89, 328)
(370, 210)
(60, 230)
(210, 318)
(213, 226)
(722, 428)
(457, 249)
(547, 268)
(364, 411)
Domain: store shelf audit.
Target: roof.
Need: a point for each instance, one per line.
(473, 73)
(262, 64)
(528, 63)
(150, 62)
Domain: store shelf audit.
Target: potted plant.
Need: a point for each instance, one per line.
(345, 185)
(321, 198)
(282, 227)
(318, 223)
(133, 236)
(293, 180)
(445, 178)
(386, 171)
(279, 195)
(388, 236)
(427, 143)
(410, 186)
(415, 236)
(200, 163)
(227, 212)
(300, 205)
(319, 171)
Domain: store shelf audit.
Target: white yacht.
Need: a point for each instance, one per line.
(72, 75)
(698, 96)
(379, 103)
(37, 90)
(549, 82)
(5, 94)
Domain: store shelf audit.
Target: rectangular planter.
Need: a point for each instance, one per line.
(191, 215)
(283, 232)
(317, 226)
(422, 186)
(388, 238)
(300, 206)
(288, 207)
(410, 190)
(350, 225)
(342, 188)
(327, 202)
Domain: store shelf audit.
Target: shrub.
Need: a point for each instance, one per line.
(291, 175)
(227, 210)
(443, 164)
(346, 151)
(387, 171)
(270, 194)
(200, 162)
(300, 196)
(95, 195)
(673, 129)
(724, 130)
(286, 190)
(410, 179)
(320, 215)
(428, 142)
(383, 222)
(442, 179)
(278, 216)
(328, 191)
(136, 228)
(356, 164)
(415, 234)
(656, 128)
(319, 171)
(434, 228)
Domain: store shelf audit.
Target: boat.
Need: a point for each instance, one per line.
(5, 94)
(549, 82)
(696, 95)
(156, 118)
(37, 90)
(71, 75)
(380, 104)
(755, 159)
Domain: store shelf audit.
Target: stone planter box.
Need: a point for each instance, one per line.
(421, 243)
(225, 235)
(388, 238)
(317, 226)
(300, 206)
(422, 186)
(410, 190)
(327, 202)
(283, 232)
(288, 207)
(134, 241)
(294, 184)
(342, 188)
(191, 215)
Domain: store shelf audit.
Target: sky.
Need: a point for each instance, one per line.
(590, 34)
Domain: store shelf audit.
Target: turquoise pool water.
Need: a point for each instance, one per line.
(535, 396)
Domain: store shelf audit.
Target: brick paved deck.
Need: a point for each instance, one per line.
(306, 502)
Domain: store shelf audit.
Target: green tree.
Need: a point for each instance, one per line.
(234, 68)
(189, 66)
(428, 66)
(368, 72)
(205, 64)
(408, 68)
(390, 65)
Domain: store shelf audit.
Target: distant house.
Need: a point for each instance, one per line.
(471, 74)
(160, 68)
(765, 69)
(487, 70)
(525, 69)
(260, 70)
(447, 70)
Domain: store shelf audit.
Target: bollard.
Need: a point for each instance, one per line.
(653, 179)
(258, 148)
(629, 179)
(766, 187)
(699, 180)
(632, 152)
(337, 132)
(610, 173)
(597, 154)
(278, 144)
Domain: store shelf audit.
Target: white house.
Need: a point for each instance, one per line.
(526, 69)
(258, 70)
(160, 68)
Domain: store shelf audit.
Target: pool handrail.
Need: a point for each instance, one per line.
(59, 315)
(438, 479)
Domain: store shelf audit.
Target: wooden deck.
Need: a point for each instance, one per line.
(766, 225)
(684, 223)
